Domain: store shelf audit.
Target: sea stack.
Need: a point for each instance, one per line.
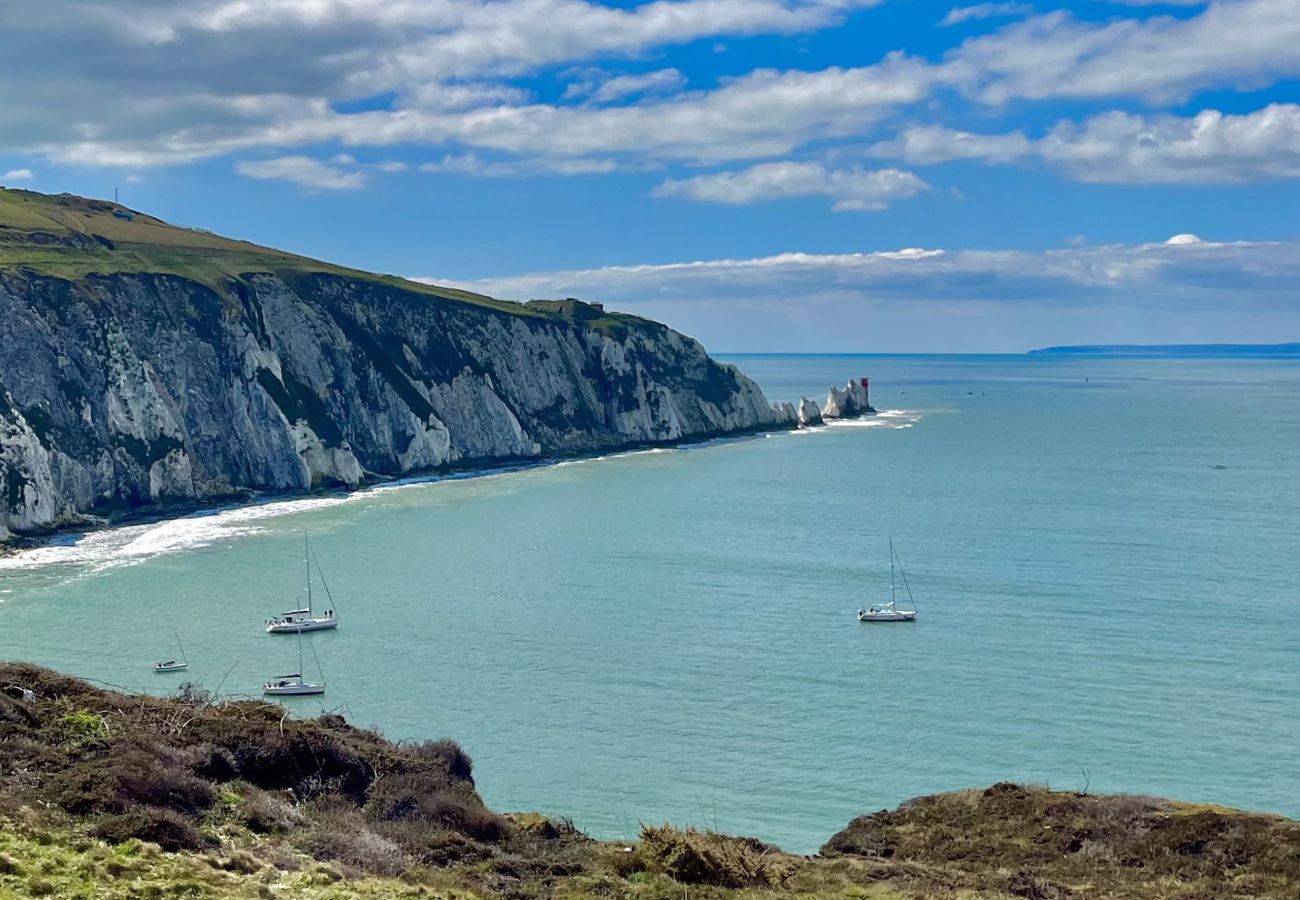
(851, 402)
(809, 413)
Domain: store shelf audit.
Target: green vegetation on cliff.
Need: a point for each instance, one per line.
(109, 795)
(70, 237)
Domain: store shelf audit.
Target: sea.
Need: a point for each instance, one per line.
(1104, 554)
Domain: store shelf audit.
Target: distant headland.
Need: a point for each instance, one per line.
(1292, 349)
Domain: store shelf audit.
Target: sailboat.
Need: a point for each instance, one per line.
(300, 620)
(890, 612)
(294, 685)
(173, 665)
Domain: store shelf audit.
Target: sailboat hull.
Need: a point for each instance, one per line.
(886, 615)
(170, 667)
(282, 626)
(293, 690)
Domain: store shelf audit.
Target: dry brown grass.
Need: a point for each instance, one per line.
(1032, 842)
(319, 807)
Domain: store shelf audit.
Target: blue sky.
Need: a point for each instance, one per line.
(764, 174)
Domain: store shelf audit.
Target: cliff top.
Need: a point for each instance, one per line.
(71, 237)
(105, 795)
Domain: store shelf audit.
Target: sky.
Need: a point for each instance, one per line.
(766, 175)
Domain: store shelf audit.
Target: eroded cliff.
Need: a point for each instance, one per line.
(121, 388)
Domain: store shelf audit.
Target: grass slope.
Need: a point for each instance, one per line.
(70, 237)
(109, 795)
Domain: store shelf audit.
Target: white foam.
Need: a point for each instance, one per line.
(132, 544)
(886, 418)
(127, 545)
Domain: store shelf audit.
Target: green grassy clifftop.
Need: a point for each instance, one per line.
(70, 237)
(108, 795)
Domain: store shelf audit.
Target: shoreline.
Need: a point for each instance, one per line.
(17, 544)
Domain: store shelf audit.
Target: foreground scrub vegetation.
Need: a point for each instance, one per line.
(107, 795)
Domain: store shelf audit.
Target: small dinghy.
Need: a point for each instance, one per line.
(296, 621)
(294, 685)
(173, 665)
(890, 612)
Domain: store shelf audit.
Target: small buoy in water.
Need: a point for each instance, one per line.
(1220, 466)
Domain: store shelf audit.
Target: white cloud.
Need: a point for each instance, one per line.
(1122, 148)
(851, 189)
(953, 300)
(173, 83)
(1064, 274)
(17, 175)
(150, 82)
(927, 144)
(305, 171)
(472, 164)
(597, 87)
(960, 14)
(1243, 43)
(1209, 147)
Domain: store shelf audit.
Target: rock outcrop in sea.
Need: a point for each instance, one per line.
(809, 413)
(849, 403)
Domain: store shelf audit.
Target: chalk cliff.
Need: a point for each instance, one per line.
(128, 379)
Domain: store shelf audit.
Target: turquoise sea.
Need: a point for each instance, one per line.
(670, 635)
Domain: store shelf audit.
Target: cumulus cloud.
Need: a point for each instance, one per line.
(598, 87)
(1210, 147)
(472, 164)
(304, 171)
(172, 83)
(1244, 43)
(960, 14)
(17, 175)
(850, 189)
(1121, 148)
(928, 144)
(965, 299)
(149, 82)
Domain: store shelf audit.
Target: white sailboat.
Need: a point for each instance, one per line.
(890, 612)
(296, 621)
(294, 685)
(174, 665)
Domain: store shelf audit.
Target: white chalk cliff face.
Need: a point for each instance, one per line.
(130, 390)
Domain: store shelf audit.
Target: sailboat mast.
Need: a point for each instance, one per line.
(300, 678)
(893, 589)
(306, 558)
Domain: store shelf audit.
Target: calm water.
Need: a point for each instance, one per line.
(670, 635)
